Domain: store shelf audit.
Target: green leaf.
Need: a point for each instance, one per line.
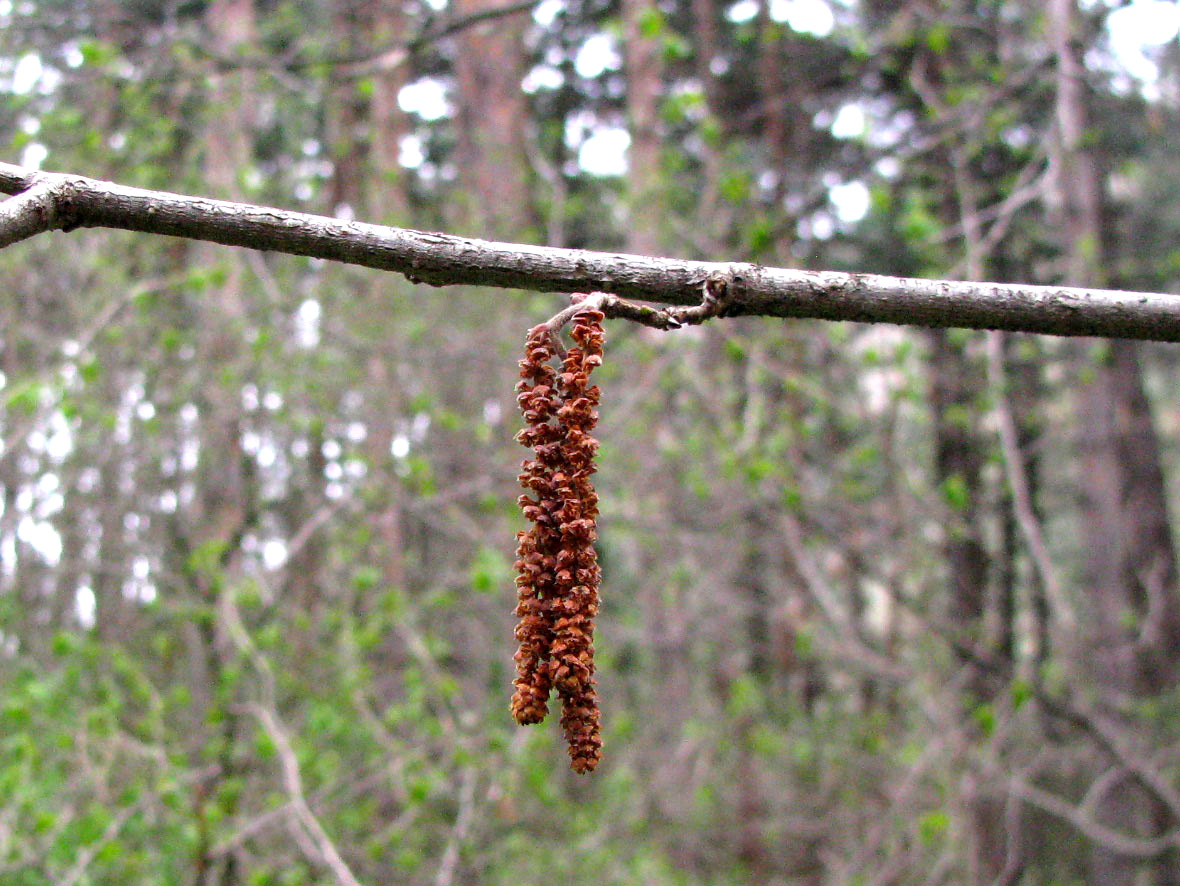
(1020, 691)
(984, 716)
(956, 493)
(95, 53)
(365, 578)
(938, 38)
(15, 714)
(651, 22)
(933, 825)
(264, 745)
(745, 696)
(64, 643)
(490, 571)
(26, 397)
(735, 187)
(760, 236)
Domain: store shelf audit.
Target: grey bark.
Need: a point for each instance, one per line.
(67, 202)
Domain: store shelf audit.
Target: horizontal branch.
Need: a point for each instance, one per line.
(68, 201)
(383, 58)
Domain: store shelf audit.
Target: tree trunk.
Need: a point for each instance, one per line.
(386, 182)
(490, 153)
(644, 89)
(1131, 566)
(222, 502)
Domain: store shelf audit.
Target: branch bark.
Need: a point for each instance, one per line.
(58, 201)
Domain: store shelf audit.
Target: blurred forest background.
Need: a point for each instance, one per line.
(881, 605)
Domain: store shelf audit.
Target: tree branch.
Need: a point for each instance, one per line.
(27, 214)
(1115, 841)
(383, 58)
(442, 259)
(1016, 473)
(321, 848)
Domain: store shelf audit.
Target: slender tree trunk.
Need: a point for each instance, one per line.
(960, 454)
(388, 123)
(959, 457)
(491, 118)
(1131, 567)
(780, 97)
(345, 115)
(644, 89)
(961, 451)
(1026, 401)
(707, 25)
(222, 502)
(111, 607)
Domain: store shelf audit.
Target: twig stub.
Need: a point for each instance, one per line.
(716, 295)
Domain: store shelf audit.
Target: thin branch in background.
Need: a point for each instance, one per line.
(322, 848)
(78, 871)
(1114, 841)
(87, 854)
(450, 856)
(1028, 187)
(1110, 739)
(1017, 477)
(1013, 868)
(900, 795)
(977, 249)
(95, 327)
(555, 234)
(293, 782)
(381, 59)
(1117, 744)
(833, 612)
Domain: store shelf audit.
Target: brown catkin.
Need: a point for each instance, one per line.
(558, 573)
(578, 575)
(537, 547)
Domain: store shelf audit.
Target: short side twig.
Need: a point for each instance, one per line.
(716, 292)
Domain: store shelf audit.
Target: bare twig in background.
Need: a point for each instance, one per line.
(87, 853)
(1081, 818)
(109, 313)
(1017, 476)
(450, 856)
(293, 781)
(381, 58)
(321, 848)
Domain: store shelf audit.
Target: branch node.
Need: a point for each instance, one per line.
(716, 297)
(31, 211)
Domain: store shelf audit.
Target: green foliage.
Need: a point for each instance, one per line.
(490, 571)
(932, 826)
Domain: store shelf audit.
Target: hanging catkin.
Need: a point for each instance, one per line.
(558, 572)
(538, 546)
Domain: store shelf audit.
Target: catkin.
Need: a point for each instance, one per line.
(537, 547)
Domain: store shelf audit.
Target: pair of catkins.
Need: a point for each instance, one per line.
(557, 569)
